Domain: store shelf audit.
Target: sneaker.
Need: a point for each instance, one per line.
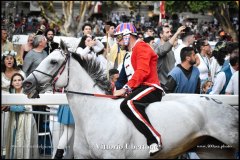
(154, 148)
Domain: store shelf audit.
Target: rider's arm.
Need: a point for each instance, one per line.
(143, 58)
(122, 79)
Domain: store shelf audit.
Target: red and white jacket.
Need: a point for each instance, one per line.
(143, 66)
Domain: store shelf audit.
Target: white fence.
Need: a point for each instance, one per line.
(56, 99)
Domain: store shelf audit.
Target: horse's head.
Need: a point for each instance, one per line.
(46, 74)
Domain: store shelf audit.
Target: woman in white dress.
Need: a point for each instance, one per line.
(9, 67)
(22, 137)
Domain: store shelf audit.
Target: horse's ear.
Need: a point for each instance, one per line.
(63, 46)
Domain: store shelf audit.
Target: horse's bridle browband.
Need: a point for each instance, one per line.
(53, 79)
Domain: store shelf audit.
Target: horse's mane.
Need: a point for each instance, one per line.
(95, 71)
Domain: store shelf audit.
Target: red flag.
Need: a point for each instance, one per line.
(162, 9)
(161, 12)
(98, 8)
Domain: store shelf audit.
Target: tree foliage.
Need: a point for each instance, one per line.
(70, 22)
(107, 7)
(197, 6)
(219, 9)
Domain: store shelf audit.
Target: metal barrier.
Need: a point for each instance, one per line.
(30, 137)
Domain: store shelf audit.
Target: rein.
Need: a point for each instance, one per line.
(53, 77)
(92, 94)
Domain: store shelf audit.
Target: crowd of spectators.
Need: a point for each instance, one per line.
(209, 71)
(27, 23)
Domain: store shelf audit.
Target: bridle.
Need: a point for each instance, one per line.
(55, 76)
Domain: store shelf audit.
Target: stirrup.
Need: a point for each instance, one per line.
(154, 149)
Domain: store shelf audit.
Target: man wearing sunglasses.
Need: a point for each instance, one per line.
(142, 86)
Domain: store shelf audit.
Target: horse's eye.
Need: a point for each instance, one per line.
(53, 62)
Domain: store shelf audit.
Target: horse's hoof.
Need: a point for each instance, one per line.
(59, 154)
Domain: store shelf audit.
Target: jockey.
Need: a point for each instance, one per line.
(143, 85)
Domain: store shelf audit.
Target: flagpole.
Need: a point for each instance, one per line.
(160, 19)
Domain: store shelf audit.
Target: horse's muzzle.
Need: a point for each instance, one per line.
(29, 88)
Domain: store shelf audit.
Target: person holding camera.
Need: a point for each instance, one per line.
(89, 47)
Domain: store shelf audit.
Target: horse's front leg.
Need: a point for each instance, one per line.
(81, 151)
(81, 148)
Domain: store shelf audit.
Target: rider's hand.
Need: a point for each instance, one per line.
(120, 92)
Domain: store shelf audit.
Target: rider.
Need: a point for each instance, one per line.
(143, 85)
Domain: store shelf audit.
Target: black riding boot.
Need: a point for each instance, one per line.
(59, 154)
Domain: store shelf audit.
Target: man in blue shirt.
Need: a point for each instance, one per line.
(184, 78)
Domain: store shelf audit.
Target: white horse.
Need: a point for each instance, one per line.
(103, 131)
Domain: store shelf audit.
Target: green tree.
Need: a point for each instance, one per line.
(219, 9)
(107, 7)
(68, 23)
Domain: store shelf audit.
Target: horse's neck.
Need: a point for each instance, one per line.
(80, 81)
